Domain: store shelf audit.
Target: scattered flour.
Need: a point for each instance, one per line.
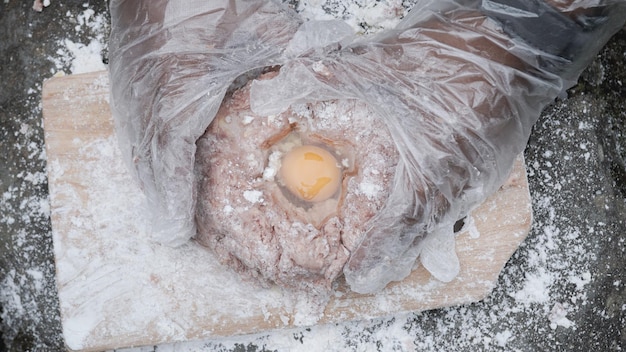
(502, 338)
(38, 5)
(370, 190)
(253, 196)
(81, 57)
(558, 317)
(87, 58)
(536, 288)
(273, 166)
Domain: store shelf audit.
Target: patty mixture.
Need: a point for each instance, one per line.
(252, 212)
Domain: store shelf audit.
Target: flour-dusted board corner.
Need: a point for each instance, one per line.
(118, 289)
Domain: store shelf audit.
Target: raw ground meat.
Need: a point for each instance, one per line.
(254, 225)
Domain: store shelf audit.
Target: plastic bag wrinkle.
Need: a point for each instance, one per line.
(392, 73)
(458, 94)
(169, 74)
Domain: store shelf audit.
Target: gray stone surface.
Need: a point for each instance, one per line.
(563, 290)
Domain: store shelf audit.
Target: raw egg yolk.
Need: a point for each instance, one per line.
(310, 173)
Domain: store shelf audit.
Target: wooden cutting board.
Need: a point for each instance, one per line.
(118, 289)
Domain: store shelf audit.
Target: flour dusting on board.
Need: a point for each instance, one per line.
(106, 258)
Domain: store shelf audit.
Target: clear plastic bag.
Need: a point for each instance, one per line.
(171, 63)
(457, 84)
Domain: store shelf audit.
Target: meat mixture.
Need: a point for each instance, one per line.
(255, 223)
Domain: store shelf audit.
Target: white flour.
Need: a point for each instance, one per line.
(81, 57)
